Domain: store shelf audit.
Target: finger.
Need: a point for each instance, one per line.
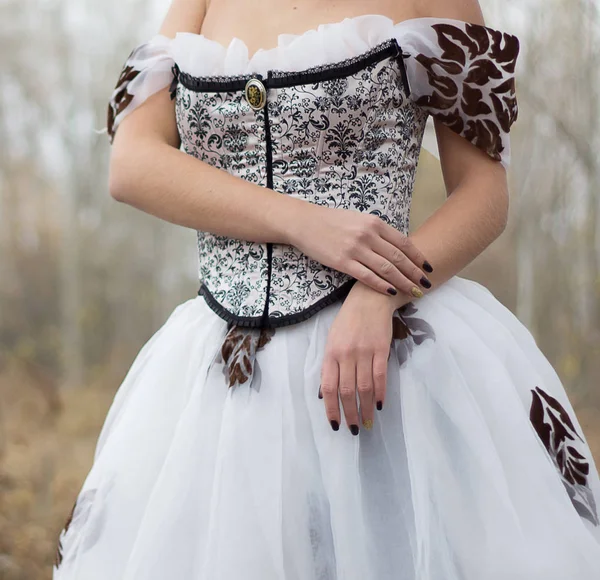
(402, 262)
(364, 386)
(380, 366)
(369, 278)
(406, 245)
(383, 267)
(329, 390)
(347, 367)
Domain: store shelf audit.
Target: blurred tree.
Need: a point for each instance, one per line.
(113, 270)
(556, 176)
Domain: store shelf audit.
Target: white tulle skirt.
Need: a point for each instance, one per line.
(475, 469)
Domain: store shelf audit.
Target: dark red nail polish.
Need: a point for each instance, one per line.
(335, 425)
(354, 429)
(427, 267)
(320, 392)
(425, 282)
(392, 291)
(379, 405)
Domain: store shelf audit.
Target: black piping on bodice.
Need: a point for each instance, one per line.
(341, 135)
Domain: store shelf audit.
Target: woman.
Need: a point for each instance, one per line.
(336, 403)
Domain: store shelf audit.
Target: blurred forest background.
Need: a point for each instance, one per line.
(85, 281)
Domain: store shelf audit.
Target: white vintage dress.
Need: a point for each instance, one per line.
(216, 460)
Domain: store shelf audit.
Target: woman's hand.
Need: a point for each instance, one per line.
(356, 357)
(363, 246)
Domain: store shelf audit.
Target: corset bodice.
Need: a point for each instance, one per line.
(338, 132)
(344, 136)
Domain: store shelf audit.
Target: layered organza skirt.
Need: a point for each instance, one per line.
(475, 469)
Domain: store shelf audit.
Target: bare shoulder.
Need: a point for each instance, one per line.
(184, 16)
(155, 117)
(467, 10)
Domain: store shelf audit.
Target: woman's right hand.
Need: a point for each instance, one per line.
(363, 246)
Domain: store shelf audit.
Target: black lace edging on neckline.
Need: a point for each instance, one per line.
(281, 79)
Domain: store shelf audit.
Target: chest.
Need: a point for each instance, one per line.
(258, 23)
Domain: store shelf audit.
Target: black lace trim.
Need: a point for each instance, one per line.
(274, 321)
(330, 71)
(281, 79)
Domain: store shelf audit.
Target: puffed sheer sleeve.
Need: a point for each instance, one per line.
(464, 75)
(147, 70)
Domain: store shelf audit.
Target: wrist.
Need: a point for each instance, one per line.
(391, 302)
(400, 300)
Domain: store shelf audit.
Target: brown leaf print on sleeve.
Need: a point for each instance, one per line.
(482, 72)
(238, 352)
(471, 85)
(567, 450)
(480, 36)
(504, 49)
(120, 98)
(473, 104)
(453, 41)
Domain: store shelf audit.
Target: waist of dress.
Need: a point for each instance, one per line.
(265, 285)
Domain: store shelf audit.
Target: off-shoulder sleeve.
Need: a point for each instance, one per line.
(464, 75)
(147, 70)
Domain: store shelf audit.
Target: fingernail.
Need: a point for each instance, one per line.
(335, 425)
(417, 293)
(320, 392)
(354, 429)
(368, 424)
(392, 291)
(425, 282)
(427, 267)
(379, 405)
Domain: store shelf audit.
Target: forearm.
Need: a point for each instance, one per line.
(168, 183)
(471, 218)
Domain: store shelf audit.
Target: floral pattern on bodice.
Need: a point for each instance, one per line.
(349, 142)
(220, 129)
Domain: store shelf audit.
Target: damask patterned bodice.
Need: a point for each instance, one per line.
(342, 134)
(345, 136)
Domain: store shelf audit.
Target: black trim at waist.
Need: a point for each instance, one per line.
(281, 79)
(274, 321)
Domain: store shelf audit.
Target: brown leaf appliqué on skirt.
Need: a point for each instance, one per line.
(58, 556)
(238, 352)
(79, 514)
(567, 450)
(408, 330)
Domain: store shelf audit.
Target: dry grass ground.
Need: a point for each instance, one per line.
(45, 458)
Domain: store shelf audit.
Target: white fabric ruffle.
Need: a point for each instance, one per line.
(328, 43)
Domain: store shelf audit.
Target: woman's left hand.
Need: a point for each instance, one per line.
(356, 357)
